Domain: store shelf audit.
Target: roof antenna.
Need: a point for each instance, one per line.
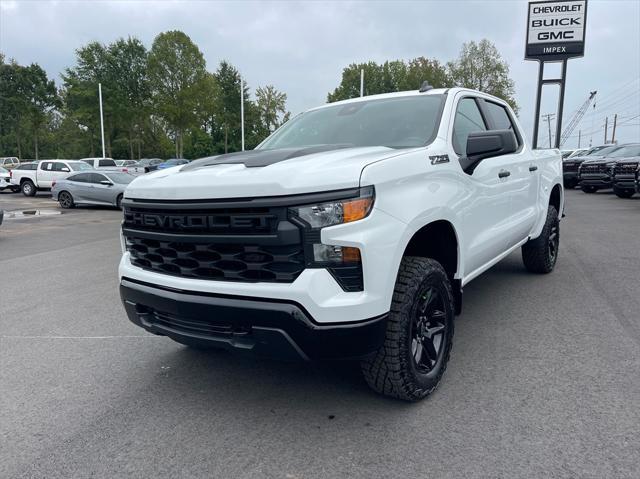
(425, 87)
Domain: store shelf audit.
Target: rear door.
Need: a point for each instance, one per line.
(80, 187)
(487, 207)
(45, 174)
(524, 178)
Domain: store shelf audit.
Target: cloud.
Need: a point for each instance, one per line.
(301, 47)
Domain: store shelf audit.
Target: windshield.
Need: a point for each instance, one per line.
(631, 150)
(121, 178)
(401, 122)
(2, 170)
(80, 165)
(595, 151)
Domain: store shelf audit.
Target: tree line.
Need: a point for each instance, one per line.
(164, 102)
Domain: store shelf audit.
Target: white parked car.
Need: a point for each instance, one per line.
(31, 177)
(349, 233)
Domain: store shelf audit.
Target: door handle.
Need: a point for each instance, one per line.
(504, 174)
(533, 168)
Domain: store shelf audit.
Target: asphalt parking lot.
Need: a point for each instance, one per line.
(544, 378)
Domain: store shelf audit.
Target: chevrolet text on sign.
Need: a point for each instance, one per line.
(555, 30)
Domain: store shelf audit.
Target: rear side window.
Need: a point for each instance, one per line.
(106, 163)
(97, 178)
(468, 120)
(46, 165)
(81, 178)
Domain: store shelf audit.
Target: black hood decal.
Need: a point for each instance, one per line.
(260, 158)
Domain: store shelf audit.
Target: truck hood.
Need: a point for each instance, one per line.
(261, 173)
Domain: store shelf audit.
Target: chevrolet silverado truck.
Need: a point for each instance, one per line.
(350, 232)
(625, 172)
(571, 165)
(597, 173)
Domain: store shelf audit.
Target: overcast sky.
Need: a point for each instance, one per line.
(301, 48)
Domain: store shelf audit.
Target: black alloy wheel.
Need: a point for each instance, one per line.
(65, 199)
(429, 330)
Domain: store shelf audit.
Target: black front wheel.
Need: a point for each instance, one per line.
(119, 202)
(589, 189)
(66, 200)
(623, 193)
(419, 334)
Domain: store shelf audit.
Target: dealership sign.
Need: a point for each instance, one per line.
(555, 30)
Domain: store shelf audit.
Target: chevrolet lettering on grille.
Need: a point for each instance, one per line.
(196, 222)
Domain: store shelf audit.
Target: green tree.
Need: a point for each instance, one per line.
(41, 98)
(481, 67)
(272, 108)
(390, 76)
(177, 72)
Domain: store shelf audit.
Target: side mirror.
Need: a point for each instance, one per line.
(65, 169)
(487, 144)
(106, 183)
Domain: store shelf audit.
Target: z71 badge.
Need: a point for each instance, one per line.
(437, 159)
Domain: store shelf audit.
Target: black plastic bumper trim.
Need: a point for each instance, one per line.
(282, 329)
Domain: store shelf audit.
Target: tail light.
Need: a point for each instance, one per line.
(10, 173)
(125, 170)
(53, 183)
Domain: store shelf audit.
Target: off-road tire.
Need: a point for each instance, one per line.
(537, 254)
(28, 188)
(392, 370)
(623, 193)
(589, 189)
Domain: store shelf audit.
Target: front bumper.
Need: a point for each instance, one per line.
(598, 181)
(625, 183)
(266, 327)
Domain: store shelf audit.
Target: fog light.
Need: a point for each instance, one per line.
(324, 253)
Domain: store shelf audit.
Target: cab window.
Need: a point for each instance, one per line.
(501, 118)
(468, 120)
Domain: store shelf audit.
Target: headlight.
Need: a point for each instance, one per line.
(336, 212)
(343, 262)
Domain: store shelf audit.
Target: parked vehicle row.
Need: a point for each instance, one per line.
(604, 167)
(91, 188)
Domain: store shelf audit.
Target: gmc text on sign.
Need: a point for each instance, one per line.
(555, 29)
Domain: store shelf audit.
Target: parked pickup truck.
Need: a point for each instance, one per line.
(597, 174)
(625, 172)
(350, 232)
(31, 177)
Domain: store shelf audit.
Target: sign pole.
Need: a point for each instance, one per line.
(242, 111)
(101, 119)
(561, 104)
(536, 123)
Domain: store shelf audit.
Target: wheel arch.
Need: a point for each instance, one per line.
(556, 198)
(438, 240)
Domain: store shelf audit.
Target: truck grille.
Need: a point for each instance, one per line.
(626, 169)
(570, 167)
(218, 261)
(212, 242)
(599, 169)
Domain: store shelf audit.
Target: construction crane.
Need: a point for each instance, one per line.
(576, 118)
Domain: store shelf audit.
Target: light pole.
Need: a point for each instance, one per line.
(101, 118)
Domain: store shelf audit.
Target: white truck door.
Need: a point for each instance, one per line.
(44, 174)
(524, 174)
(485, 214)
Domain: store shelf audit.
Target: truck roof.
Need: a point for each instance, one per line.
(382, 96)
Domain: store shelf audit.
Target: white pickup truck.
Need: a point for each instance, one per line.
(34, 176)
(349, 233)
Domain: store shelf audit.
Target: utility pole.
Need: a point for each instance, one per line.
(101, 118)
(579, 137)
(242, 110)
(613, 134)
(606, 129)
(362, 82)
(549, 117)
